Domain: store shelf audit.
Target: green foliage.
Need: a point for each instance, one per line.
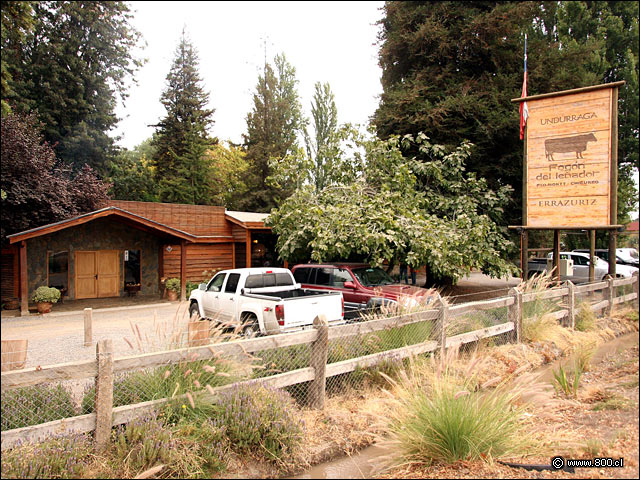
(565, 383)
(65, 457)
(585, 319)
(422, 210)
(450, 69)
(172, 284)
(190, 287)
(272, 129)
(26, 406)
(45, 294)
(71, 65)
(228, 171)
(17, 22)
(132, 175)
(451, 421)
(260, 419)
(182, 139)
(143, 443)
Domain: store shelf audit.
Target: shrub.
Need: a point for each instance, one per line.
(26, 406)
(443, 415)
(190, 287)
(64, 457)
(172, 284)
(565, 383)
(164, 382)
(258, 418)
(45, 294)
(585, 318)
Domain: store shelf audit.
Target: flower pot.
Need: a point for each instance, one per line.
(44, 307)
(172, 295)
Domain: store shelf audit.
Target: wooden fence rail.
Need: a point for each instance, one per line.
(105, 366)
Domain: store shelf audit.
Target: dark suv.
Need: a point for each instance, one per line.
(362, 286)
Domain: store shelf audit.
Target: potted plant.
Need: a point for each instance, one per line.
(173, 287)
(45, 297)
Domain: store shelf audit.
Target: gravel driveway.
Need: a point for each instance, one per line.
(60, 339)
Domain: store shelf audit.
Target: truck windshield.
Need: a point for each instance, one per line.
(372, 277)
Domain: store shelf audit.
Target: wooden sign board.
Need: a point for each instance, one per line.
(568, 159)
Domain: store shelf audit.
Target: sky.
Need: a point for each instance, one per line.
(333, 42)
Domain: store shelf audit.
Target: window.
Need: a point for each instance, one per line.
(323, 276)
(339, 277)
(268, 280)
(232, 283)
(302, 275)
(216, 284)
(579, 260)
(59, 271)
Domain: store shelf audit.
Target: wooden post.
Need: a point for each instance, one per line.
(636, 289)
(613, 182)
(571, 305)
(610, 295)
(88, 327)
(514, 314)
(104, 394)
(24, 283)
(612, 253)
(442, 320)
(183, 271)
(319, 353)
(556, 255)
(592, 254)
(248, 244)
(525, 255)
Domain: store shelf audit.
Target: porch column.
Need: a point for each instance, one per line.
(233, 254)
(183, 271)
(248, 248)
(24, 283)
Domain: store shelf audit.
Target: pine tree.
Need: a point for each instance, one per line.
(272, 131)
(182, 137)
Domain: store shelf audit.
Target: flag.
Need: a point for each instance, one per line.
(524, 111)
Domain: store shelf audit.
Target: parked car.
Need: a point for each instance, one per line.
(263, 301)
(581, 263)
(363, 287)
(624, 256)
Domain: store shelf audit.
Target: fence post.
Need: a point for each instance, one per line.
(515, 314)
(104, 393)
(443, 318)
(319, 353)
(610, 296)
(88, 327)
(571, 305)
(636, 289)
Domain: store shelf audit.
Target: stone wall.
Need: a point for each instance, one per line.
(100, 234)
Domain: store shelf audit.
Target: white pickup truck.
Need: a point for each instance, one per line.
(263, 301)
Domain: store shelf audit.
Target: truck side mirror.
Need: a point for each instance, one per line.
(202, 286)
(349, 285)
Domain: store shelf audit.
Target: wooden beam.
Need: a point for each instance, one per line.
(592, 254)
(248, 240)
(183, 271)
(24, 280)
(233, 254)
(556, 255)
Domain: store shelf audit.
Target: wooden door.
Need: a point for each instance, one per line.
(86, 275)
(108, 273)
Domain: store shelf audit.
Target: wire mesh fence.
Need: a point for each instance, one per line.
(49, 401)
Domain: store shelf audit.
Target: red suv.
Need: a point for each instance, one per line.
(362, 286)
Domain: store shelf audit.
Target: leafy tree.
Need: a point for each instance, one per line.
(422, 210)
(16, 23)
(38, 189)
(272, 131)
(70, 68)
(182, 137)
(450, 69)
(228, 171)
(131, 175)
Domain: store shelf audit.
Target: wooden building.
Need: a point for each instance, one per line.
(128, 244)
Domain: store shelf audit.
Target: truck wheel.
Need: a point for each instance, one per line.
(194, 312)
(250, 328)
